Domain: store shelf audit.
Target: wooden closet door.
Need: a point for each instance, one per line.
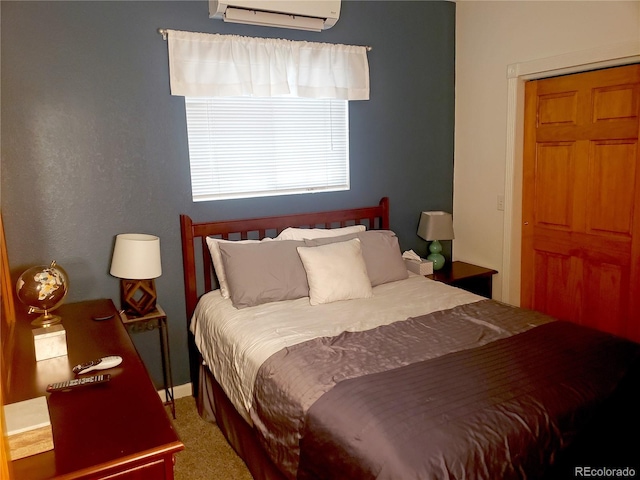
(581, 199)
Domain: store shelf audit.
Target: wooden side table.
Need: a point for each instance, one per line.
(469, 277)
(152, 321)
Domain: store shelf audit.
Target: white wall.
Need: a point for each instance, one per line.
(490, 36)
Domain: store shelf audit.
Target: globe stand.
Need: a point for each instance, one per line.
(46, 319)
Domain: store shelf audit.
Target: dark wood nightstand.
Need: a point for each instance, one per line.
(470, 277)
(117, 430)
(151, 321)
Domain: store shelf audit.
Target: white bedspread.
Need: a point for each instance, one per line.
(234, 343)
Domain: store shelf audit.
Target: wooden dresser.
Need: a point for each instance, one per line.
(117, 430)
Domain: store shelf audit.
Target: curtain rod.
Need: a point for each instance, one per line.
(165, 31)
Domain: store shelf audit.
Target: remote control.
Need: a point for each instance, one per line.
(98, 364)
(78, 382)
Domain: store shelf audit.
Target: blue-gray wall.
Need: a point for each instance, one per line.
(94, 145)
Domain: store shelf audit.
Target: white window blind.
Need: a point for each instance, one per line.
(241, 147)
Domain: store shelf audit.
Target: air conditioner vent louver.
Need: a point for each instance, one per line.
(315, 15)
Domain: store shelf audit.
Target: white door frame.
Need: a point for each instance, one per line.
(518, 74)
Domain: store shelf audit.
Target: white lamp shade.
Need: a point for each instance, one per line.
(136, 256)
(436, 226)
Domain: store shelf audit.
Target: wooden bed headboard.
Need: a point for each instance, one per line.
(194, 234)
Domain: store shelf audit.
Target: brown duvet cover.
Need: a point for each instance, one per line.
(483, 390)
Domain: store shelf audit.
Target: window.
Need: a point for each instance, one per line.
(266, 116)
(242, 147)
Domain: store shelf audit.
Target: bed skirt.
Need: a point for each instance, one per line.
(214, 406)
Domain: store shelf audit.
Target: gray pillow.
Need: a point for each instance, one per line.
(264, 272)
(381, 253)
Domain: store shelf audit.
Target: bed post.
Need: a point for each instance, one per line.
(190, 294)
(384, 219)
(189, 264)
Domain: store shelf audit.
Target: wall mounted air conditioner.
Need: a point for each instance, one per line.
(315, 15)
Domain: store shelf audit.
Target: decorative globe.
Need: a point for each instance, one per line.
(43, 289)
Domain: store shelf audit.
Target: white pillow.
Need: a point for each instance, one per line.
(335, 271)
(216, 258)
(291, 233)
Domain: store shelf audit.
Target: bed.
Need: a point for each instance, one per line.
(319, 356)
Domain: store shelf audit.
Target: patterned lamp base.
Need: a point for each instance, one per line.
(138, 296)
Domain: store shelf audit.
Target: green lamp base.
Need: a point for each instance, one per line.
(435, 256)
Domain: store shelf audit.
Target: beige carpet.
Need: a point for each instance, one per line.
(206, 455)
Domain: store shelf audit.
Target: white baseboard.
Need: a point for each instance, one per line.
(179, 391)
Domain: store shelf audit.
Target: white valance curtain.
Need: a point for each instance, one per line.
(214, 65)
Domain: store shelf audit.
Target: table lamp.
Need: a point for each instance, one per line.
(433, 227)
(136, 261)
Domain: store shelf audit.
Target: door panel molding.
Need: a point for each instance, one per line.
(612, 182)
(554, 168)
